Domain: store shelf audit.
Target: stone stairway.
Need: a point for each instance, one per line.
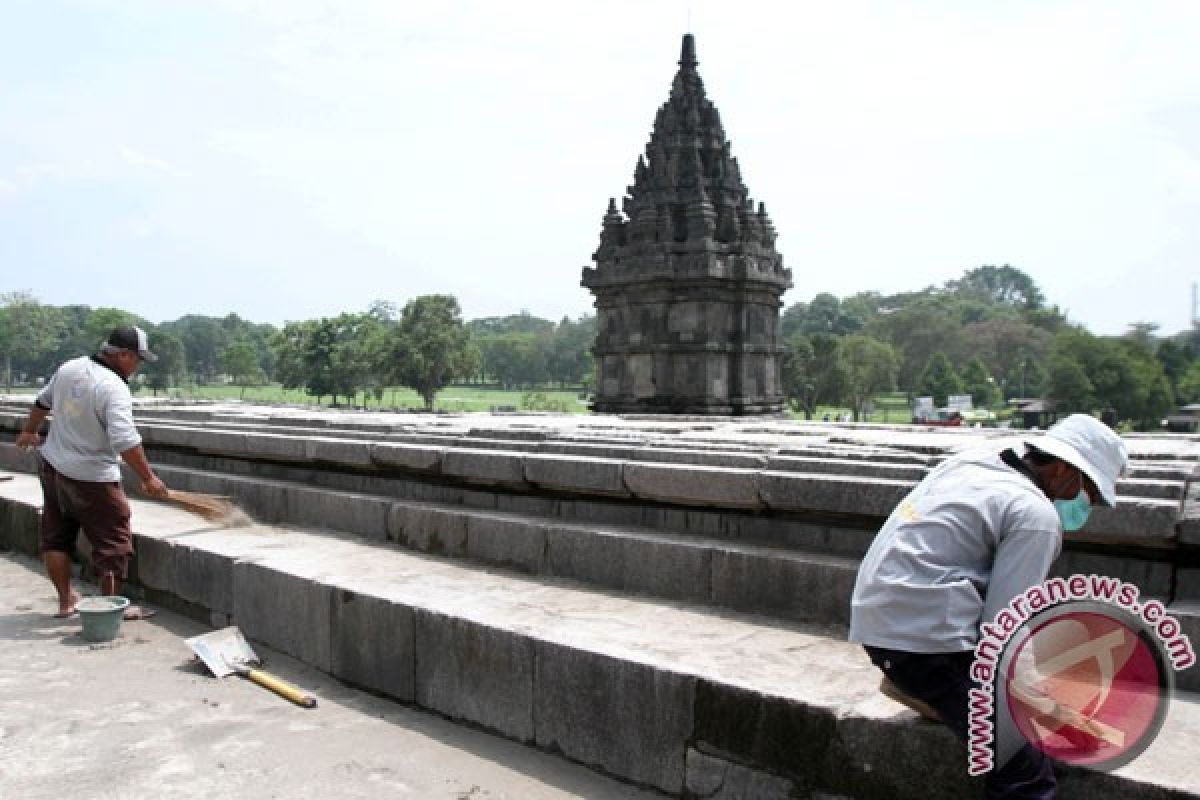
(669, 612)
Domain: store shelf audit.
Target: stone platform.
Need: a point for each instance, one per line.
(663, 600)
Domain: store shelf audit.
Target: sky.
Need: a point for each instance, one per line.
(291, 159)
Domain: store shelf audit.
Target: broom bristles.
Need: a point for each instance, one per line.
(209, 506)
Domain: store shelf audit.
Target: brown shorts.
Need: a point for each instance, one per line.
(99, 508)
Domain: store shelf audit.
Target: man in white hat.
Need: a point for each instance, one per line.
(91, 429)
(979, 530)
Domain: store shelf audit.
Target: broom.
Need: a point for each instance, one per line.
(209, 506)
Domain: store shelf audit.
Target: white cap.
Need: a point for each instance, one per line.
(1092, 447)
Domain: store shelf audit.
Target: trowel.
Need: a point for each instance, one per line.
(226, 652)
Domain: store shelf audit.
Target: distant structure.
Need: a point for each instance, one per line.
(687, 281)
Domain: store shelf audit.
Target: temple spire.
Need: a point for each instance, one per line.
(687, 55)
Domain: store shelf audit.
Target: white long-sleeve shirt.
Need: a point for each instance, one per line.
(92, 423)
(971, 536)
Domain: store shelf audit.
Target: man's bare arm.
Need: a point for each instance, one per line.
(151, 485)
(28, 438)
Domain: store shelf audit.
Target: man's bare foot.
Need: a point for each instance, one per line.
(68, 609)
(137, 612)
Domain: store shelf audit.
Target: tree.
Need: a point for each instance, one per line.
(939, 379)
(870, 368)
(1004, 285)
(431, 347)
(1069, 385)
(979, 383)
(813, 372)
(1189, 385)
(240, 362)
(27, 330)
(171, 367)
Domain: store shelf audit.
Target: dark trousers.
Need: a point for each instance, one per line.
(943, 680)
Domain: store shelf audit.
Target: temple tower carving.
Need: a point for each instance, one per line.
(687, 281)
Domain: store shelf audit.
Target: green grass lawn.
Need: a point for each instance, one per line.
(454, 398)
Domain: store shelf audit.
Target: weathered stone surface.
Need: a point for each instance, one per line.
(484, 466)
(437, 531)
(278, 447)
(876, 497)
(839, 466)
(1135, 520)
(365, 515)
(775, 734)
(472, 672)
(286, 611)
(577, 474)
(699, 486)
(507, 542)
(805, 588)
(1153, 578)
(674, 569)
(373, 644)
(1189, 518)
(1188, 614)
(613, 714)
(407, 456)
(715, 778)
(342, 452)
(898, 759)
(202, 577)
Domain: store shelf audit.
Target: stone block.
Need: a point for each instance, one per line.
(19, 526)
(718, 779)
(841, 466)
(342, 452)
(428, 529)
(484, 466)
(605, 513)
(230, 443)
(1188, 615)
(285, 611)
(1136, 520)
(876, 497)
(512, 542)
(373, 644)
(14, 459)
(779, 735)
(576, 474)
(670, 568)
(397, 455)
(898, 758)
(1187, 584)
(203, 577)
(619, 716)
(803, 588)
(1189, 517)
(278, 447)
(1153, 578)
(468, 671)
(363, 515)
(153, 563)
(694, 485)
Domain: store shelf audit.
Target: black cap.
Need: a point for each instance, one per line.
(131, 337)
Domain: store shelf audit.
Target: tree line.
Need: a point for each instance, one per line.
(989, 334)
(426, 345)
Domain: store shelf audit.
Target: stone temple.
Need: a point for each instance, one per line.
(687, 278)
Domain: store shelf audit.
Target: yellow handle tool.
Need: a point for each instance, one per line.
(277, 685)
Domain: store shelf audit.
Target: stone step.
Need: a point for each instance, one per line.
(786, 583)
(663, 695)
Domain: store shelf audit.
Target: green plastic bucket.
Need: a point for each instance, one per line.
(102, 617)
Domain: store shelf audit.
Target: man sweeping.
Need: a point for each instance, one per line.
(92, 430)
(979, 530)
